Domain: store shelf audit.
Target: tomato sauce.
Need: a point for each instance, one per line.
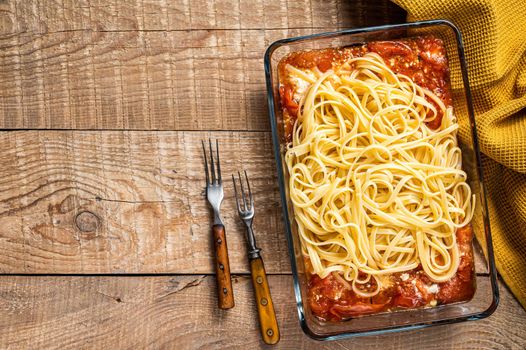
(330, 300)
(423, 59)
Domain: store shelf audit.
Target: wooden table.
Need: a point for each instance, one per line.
(103, 105)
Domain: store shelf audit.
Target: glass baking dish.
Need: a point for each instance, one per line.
(485, 299)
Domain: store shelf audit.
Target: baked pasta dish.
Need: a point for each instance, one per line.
(379, 196)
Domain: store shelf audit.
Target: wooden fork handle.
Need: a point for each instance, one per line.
(267, 316)
(224, 282)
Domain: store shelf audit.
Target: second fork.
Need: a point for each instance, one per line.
(267, 316)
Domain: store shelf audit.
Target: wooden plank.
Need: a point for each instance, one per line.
(110, 202)
(163, 66)
(168, 312)
(114, 202)
(65, 15)
(190, 80)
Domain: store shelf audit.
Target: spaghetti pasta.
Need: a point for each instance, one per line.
(375, 190)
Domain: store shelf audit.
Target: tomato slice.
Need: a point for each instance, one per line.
(389, 48)
(325, 64)
(356, 309)
(405, 301)
(287, 99)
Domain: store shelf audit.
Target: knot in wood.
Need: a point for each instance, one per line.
(86, 221)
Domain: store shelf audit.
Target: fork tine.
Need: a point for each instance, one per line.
(235, 192)
(206, 163)
(249, 192)
(212, 167)
(242, 190)
(218, 163)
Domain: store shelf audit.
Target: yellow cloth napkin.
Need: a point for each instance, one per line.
(494, 33)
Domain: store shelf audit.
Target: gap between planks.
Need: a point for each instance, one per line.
(136, 130)
(91, 30)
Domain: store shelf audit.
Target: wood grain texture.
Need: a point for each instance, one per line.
(130, 202)
(113, 202)
(156, 65)
(225, 292)
(181, 312)
(121, 201)
(268, 323)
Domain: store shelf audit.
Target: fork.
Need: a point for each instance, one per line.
(214, 194)
(267, 316)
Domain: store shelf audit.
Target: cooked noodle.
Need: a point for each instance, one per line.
(376, 191)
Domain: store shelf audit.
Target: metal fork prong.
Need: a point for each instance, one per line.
(212, 167)
(251, 199)
(206, 163)
(242, 191)
(235, 193)
(218, 163)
